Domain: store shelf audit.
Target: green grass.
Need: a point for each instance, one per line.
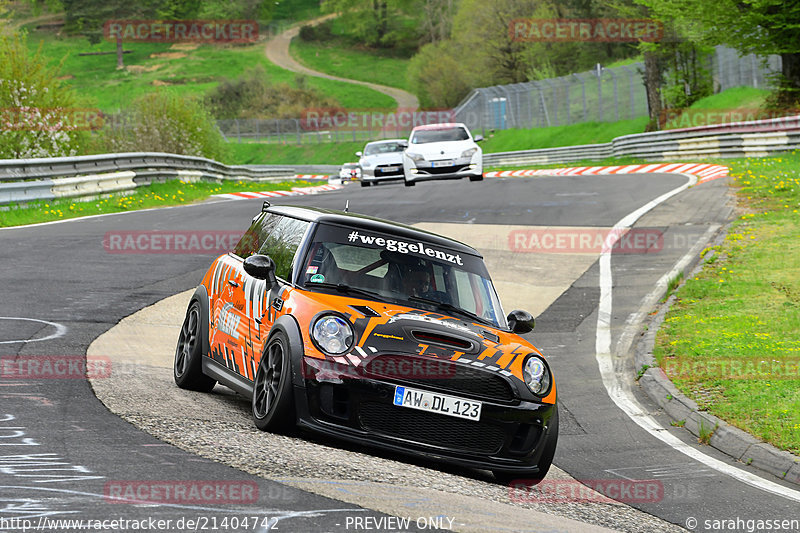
(189, 72)
(732, 105)
(574, 134)
(296, 10)
(744, 307)
(173, 192)
(336, 153)
(294, 154)
(365, 65)
(734, 98)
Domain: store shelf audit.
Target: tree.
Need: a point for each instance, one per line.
(438, 75)
(436, 21)
(38, 116)
(750, 26)
(373, 22)
(87, 17)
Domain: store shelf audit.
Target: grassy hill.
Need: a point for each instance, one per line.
(181, 67)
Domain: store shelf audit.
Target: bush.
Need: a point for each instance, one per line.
(252, 96)
(438, 77)
(166, 122)
(321, 32)
(38, 117)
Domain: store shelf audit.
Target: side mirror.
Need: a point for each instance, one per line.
(520, 321)
(478, 138)
(261, 267)
(404, 144)
(359, 154)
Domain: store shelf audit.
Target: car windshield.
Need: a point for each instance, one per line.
(401, 270)
(440, 135)
(383, 148)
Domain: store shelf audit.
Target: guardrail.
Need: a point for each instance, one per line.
(43, 179)
(757, 138)
(92, 175)
(545, 156)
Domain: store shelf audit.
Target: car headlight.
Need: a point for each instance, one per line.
(416, 157)
(469, 153)
(366, 164)
(537, 375)
(333, 334)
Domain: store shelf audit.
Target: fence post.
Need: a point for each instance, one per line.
(583, 96)
(238, 132)
(616, 95)
(599, 93)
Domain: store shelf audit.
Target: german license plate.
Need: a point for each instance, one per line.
(390, 169)
(437, 403)
(443, 163)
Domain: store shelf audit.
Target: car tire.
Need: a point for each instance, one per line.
(545, 461)
(476, 178)
(365, 184)
(272, 406)
(410, 183)
(187, 368)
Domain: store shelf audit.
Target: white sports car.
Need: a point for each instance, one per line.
(442, 151)
(381, 161)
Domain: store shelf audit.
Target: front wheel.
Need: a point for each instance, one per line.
(188, 367)
(365, 184)
(545, 461)
(476, 178)
(272, 389)
(410, 183)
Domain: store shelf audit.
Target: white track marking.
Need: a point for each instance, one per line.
(619, 391)
(61, 330)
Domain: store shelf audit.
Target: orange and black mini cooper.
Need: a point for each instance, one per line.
(374, 332)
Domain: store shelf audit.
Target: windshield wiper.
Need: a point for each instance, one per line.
(444, 306)
(341, 287)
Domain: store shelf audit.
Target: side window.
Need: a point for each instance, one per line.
(256, 235)
(282, 242)
(466, 294)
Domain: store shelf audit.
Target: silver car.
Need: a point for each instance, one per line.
(382, 161)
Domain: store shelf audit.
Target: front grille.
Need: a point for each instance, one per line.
(380, 170)
(444, 170)
(440, 375)
(430, 428)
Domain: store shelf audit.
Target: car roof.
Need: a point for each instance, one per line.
(442, 126)
(350, 165)
(331, 216)
(386, 141)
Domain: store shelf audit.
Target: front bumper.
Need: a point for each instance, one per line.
(424, 170)
(509, 436)
(373, 174)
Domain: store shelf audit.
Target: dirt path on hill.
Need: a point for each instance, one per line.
(278, 52)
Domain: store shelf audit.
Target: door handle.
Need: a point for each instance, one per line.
(232, 283)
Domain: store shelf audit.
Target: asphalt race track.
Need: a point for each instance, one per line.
(63, 454)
